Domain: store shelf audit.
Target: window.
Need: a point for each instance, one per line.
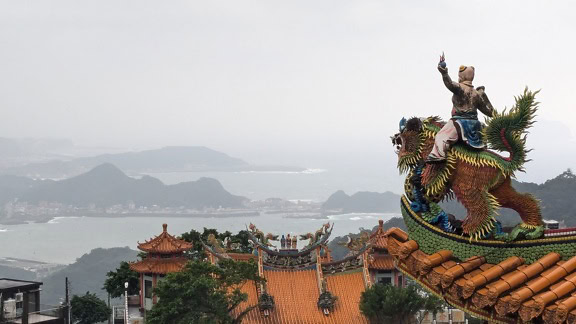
(400, 283)
(385, 280)
(147, 288)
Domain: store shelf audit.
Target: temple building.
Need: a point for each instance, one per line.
(306, 285)
(164, 254)
(302, 285)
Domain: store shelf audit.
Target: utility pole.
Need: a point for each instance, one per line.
(67, 303)
(110, 317)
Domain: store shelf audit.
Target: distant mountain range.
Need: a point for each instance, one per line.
(106, 185)
(363, 202)
(167, 159)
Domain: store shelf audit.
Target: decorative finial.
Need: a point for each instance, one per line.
(164, 227)
(381, 222)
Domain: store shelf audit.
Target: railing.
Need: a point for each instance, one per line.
(118, 312)
(45, 310)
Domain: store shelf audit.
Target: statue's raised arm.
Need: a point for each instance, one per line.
(451, 85)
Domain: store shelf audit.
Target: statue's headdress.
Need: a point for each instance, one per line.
(466, 74)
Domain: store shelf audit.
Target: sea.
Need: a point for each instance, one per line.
(64, 239)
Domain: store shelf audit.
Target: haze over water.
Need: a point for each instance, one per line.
(65, 239)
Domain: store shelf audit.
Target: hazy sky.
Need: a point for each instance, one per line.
(274, 81)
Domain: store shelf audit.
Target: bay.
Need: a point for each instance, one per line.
(64, 239)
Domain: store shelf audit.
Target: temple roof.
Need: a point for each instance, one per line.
(377, 238)
(159, 265)
(509, 291)
(296, 294)
(242, 256)
(382, 262)
(165, 244)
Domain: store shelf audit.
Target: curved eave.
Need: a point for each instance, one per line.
(158, 266)
(510, 291)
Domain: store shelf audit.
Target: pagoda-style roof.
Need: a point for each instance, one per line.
(510, 291)
(377, 238)
(159, 265)
(165, 244)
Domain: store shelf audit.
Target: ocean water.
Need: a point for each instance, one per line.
(64, 239)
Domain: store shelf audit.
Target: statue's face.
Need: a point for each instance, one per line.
(407, 144)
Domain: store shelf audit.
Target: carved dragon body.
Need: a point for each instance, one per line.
(317, 236)
(479, 179)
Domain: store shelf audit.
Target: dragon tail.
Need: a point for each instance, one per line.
(506, 131)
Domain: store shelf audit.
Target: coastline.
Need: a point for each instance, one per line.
(48, 219)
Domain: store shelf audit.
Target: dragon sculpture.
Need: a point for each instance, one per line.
(315, 238)
(263, 238)
(357, 243)
(479, 178)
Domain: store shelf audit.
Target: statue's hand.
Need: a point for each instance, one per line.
(442, 68)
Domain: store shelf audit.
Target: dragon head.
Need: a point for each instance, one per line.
(407, 143)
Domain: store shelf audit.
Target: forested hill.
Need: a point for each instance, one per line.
(88, 273)
(106, 185)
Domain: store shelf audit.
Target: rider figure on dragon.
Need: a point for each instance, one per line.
(464, 124)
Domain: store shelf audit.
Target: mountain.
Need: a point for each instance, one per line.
(106, 185)
(167, 159)
(363, 202)
(86, 274)
(14, 186)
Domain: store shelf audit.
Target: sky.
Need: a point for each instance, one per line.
(283, 82)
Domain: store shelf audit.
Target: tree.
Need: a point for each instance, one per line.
(389, 304)
(204, 293)
(89, 309)
(235, 242)
(114, 284)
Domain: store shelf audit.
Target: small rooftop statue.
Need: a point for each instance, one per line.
(447, 159)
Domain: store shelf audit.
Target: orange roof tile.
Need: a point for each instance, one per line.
(165, 244)
(348, 287)
(249, 288)
(507, 292)
(382, 262)
(159, 265)
(296, 293)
